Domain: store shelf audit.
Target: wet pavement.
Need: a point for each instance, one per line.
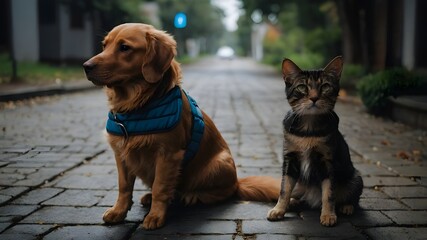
(58, 175)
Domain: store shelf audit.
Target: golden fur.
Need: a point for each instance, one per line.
(136, 65)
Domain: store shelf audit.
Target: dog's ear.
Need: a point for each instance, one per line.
(159, 55)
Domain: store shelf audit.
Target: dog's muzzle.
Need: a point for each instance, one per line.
(88, 66)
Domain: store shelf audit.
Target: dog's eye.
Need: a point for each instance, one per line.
(124, 48)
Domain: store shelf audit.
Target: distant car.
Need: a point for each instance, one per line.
(225, 52)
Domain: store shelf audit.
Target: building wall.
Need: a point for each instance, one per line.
(49, 31)
(409, 9)
(49, 42)
(25, 31)
(257, 38)
(55, 41)
(76, 44)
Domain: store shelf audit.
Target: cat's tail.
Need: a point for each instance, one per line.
(258, 188)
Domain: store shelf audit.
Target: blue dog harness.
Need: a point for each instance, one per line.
(160, 115)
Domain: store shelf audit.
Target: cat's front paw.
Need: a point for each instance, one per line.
(328, 220)
(276, 214)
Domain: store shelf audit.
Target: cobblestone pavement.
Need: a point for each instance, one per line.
(58, 175)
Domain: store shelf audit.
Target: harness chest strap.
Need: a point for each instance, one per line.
(160, 115)
(197, 129)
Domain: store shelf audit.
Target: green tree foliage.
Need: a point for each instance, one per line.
(244, 36)
(309, 30)
(110, 12)
(204, 21)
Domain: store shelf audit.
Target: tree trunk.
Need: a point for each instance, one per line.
(379, 34)
(356, 30)
(348, 12)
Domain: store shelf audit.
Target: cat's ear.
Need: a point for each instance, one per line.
(289, 69)
(334, 67)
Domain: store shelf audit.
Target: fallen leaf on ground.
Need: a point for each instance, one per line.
(403, 155)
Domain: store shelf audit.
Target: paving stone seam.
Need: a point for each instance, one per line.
(84, 161)
(239, 231)
(264, 128)
(17, 196)
(31, 188)
(59, 226)
(399, 200)
(397, 224)
(379, 164)
(394, 198)
(27, 191)
(361, 231)
(238, 125)
(16, 221)
(133, 230)
(54, 228)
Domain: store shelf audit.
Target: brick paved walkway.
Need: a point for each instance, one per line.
(58, 175)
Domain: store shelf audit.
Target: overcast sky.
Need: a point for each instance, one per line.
(231, 10)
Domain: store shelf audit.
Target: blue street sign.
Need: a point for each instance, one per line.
(180, 20)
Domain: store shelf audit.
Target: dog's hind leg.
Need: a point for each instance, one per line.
(146, 199)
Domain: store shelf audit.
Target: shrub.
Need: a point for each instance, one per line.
(276, 51)
(374, 89)
(350, 75)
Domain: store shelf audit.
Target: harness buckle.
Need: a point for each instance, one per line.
(121, 125)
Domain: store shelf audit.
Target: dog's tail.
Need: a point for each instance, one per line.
(259, 188)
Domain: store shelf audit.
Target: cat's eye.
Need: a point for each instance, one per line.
(326, 88)
(302, 88)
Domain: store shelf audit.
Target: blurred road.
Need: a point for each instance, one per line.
(58, 174)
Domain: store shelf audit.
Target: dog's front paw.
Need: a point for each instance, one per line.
(276, 214)
(112, 215)
(153, 221)
(328, 220)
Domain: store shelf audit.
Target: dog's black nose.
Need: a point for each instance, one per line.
(88, 66)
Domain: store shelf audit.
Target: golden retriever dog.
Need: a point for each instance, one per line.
(137, 67)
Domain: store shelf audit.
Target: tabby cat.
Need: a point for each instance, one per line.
(317, 168)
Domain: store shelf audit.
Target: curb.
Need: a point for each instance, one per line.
(23, 94)
(411, 110)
